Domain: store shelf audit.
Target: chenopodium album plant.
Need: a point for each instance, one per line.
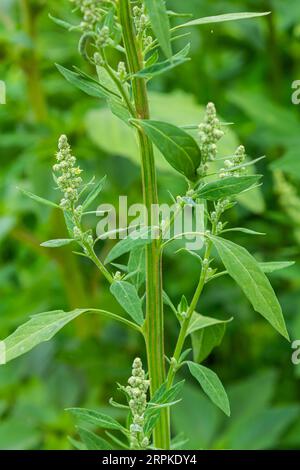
(140, 33)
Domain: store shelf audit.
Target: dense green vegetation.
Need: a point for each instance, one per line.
(247, 69)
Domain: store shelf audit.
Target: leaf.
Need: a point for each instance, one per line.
(211, 385)
(136, 239)
(162, 396)
(226, 187)
(275, 266)
(95, 417)
(176, 145)
(137, 264)
(162, 67)
(62, 23)
(221, 19)
(204, 341)
(95, 191)
(160, 24)
(243, 230)
(127, 296)
(57, 243)
(39, 328)
(199, 322)
(247, 273)
(39, 199)
(92, 441)
(89, 87)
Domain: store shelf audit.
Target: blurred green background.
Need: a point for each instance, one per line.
(247, 69)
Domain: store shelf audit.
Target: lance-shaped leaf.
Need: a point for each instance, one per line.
(247, 273)
(92, 441)
(57, 242)
(159, 18)
(226, 187)
(90, 87)
(211, 385)
(222, 18)
(127, 296)
(137, 265)
(161, 398)
(95, 191)
(157, 69)
(39, 199)
(96, 418)
(39, 328)
(136, 239)
(272, 266)
(177, 146)
(206, 333)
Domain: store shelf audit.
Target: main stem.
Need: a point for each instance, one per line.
(154, 325)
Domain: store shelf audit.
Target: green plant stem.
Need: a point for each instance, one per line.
(186, 322)
(119, 85)
(154, 325)
(92, 255)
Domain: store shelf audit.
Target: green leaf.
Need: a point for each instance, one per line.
(62, 23)
(199, 322)
(247, 273)
(95, 191)
(160, 24)
(137, 264)
(89, 87)
(39, 328)
(162, 396)
(95, 417)
(226, 187)
(39, 199)
(221, 19)
(177, 146)
(207, 333)
(57, 243)
(162, 67)
(211, 385)
(92, 441)
(127, 296)
(243, 230)
(136, 239)
(275, 266)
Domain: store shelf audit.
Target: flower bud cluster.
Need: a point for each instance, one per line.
(137, 391)
(91, 12)
(103, 37)
(231, 164)
(210, 133)
(69, 179)
(141, 22)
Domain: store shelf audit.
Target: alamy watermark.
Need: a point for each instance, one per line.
(2, 92)
(183, 220)
(296, 93)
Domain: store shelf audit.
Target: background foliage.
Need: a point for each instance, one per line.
(247, 69)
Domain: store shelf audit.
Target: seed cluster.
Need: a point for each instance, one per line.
(91, 12)
(69, 179)
(141, 22)
(210, 133)
(231, 164)
(137, 391)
